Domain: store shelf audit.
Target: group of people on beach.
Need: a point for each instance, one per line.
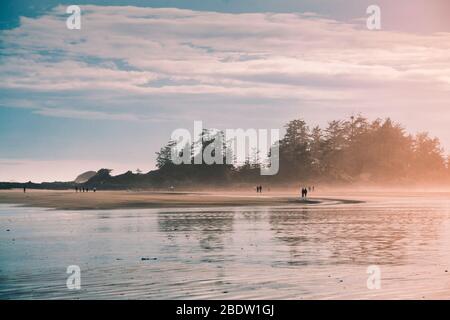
(83, 189)
(259, 189)
(305, 191)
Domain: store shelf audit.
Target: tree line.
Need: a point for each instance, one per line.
(353, 150)
(348, 151)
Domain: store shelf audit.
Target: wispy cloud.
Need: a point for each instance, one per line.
(130, 63)
(157, 54)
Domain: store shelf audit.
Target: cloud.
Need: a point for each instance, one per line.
(141, 64)
(82, 114)
(137, 73)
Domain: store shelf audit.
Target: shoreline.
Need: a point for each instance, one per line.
(108, 200)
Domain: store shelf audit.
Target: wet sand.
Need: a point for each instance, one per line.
(102, 200)
(295, 251)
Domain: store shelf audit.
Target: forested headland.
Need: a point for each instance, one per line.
(346, 152)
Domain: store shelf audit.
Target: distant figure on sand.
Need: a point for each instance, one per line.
(95, 189)
(304, 192)
(76, 189)
(24, 189)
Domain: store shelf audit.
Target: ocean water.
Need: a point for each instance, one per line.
(316, 252)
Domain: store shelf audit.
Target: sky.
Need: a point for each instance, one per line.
(110, 95)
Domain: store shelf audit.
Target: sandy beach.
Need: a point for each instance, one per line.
(71, 200)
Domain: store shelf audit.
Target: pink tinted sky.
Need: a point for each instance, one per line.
(136, 74)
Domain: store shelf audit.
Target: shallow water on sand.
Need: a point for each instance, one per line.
(317, 252)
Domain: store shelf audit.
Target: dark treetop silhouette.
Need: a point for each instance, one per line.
(354, 150)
